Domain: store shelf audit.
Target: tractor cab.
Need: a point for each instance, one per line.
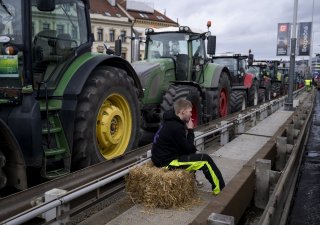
(237, 65)
(38, 41)
(184, 47)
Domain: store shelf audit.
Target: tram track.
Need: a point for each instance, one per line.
(29, 199)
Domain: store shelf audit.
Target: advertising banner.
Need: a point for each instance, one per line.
(304, 38)
(283, 39)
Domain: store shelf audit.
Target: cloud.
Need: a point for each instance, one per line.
(241, 24)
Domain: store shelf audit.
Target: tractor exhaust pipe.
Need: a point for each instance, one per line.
(135, 46)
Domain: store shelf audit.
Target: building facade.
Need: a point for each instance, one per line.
(120, 19)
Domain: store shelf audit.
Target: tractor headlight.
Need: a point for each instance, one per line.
(184, 29)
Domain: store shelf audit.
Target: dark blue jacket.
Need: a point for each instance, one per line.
(172, 140)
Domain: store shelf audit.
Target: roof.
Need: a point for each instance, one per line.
(143, 15)
(105, 8)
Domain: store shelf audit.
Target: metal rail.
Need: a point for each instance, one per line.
(25, 205)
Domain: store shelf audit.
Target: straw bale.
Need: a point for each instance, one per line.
(160, 187)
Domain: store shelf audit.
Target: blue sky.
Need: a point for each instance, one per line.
(243, 24)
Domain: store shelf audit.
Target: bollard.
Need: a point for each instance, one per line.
(269, 110)
(290, 134)
(272, 108)
(281, 153)
(295, 120)
(261, 196)
(54, 213)
(199, 143)
(241, 125)
(220, 219)
(274, 177)
(253, 119)
(261, 114)
(224, 137)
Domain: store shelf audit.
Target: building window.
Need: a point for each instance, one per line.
(143, 15)
(74, 32)
(100, 34)
(60, 29)
(111, 35)
(123, 36)
(160, 17)
(45, 26)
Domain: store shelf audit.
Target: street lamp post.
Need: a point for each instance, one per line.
(289, 101)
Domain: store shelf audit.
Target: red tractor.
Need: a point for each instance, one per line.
(245, 86)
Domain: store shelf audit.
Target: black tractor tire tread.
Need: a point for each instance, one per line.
(103, 81)
(175, 92)
(236, 100)
(253, 90)
(275, 88)
(262, 95)
(224, 82)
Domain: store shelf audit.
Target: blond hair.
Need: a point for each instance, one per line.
(181, 104)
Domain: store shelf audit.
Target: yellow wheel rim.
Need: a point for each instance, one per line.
(114, 126)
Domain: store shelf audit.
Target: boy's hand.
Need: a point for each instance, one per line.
(190, 124)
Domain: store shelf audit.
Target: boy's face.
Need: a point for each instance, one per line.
(186, 114)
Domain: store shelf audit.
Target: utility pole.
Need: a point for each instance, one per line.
(311, 43)
(289, 101)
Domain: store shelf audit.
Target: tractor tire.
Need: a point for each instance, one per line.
(238, 101)
(262, 95)
(107, 117)
(268, 92)
(221, 97)
(253, 94)
(3, 177)
(187, 92)
(275, 90)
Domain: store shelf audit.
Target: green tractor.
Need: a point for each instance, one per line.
(262, 73)
(62, 108)
(176, 66)
(277, 77)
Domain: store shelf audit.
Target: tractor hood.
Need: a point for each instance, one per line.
(155, 76)
(147, 69)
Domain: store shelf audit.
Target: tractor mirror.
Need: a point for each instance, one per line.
(45, 5)
(118, 45)
(211, 47)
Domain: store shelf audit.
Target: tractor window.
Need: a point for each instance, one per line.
(56, 36)
(166, 45)
(178, 47)
(198, 48)
(230, 63)
(155, 49)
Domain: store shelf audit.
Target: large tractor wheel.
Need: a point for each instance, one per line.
(262, 95)
(187, 92)
(3, 177)
(238, 101)
(268, 92)
(253, 94)
(275, 89)
(107, 117)
(221, 98)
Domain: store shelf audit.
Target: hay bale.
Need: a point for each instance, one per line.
(159, 187)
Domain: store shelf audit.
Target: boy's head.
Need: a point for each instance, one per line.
(183, 109)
